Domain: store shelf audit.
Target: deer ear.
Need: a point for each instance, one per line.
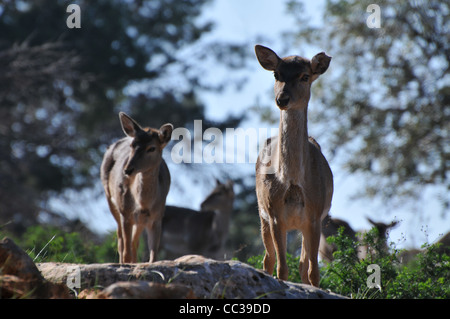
(371, 221)
(230, 185)
(393, 224)
(268, 59)
(319, 64)
(165, 134)
(129, 126)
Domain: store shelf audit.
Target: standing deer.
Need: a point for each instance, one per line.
(294, 183)
(186, 231)
(136, 181)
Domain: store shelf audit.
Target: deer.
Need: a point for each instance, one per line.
(294, 183)
(136, 180)
(187, 231)
(330, 227)
(383, 229)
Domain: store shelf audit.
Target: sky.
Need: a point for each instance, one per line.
(247, 21)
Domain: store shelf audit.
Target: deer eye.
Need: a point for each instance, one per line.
(151, 149)
(304, 78)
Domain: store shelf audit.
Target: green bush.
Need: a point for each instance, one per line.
(292, 262)
(429, 277)
(49, 243)
(347, 275)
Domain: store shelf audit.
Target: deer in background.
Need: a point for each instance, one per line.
(330, 227)
(408, 255)
(383, 230)
(444, 248)
(294, 183)
(136, 180)
(186, 231)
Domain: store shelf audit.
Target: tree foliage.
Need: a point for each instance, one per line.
(385, 101)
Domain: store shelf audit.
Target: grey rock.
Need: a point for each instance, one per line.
(206, 278)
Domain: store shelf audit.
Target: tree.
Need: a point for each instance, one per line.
(385, 102)
(62, 88)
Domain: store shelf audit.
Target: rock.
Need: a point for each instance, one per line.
(14, 261)
(192, 275)
(187, 277)
(145, 290)
(20, 278)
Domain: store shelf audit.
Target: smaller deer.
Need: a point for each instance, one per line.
(136, 180)
(330, 227)
(186, 231)
(383, 230)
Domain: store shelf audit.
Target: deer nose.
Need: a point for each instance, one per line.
(283, 101)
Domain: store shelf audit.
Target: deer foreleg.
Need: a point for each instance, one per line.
(278, 232)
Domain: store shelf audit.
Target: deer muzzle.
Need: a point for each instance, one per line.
(283, 100)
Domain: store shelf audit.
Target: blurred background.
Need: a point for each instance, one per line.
(381, 112)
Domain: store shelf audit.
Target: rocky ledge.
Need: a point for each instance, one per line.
(188, 277)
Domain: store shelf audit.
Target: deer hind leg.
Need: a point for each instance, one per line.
(153, 239)
(309, 265)
(269, 257)
(304, 264)
(116, 215)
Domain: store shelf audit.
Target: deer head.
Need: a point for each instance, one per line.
(146, 146)
(293, 76)
(222, 196)
(382, 227)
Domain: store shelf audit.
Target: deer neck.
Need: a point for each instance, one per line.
(293, 146)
